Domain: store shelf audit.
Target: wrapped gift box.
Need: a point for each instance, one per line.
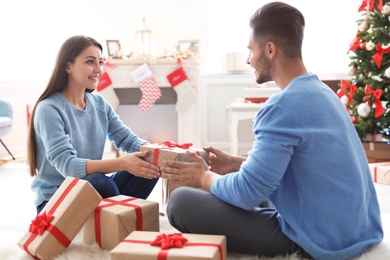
(138, 245)
(380, 172)
(170, 151)
(64, 215)
(117, 217)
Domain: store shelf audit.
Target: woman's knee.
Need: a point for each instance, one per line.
(102, 184)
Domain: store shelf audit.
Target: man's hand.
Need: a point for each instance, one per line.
(192, 174)
(223, 163)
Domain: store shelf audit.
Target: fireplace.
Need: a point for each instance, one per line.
(161, 122)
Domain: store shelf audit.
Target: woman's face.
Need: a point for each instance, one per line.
(86, 69)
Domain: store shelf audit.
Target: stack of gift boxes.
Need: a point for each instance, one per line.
(127, 227)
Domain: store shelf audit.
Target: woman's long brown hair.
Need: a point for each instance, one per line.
(68, 52)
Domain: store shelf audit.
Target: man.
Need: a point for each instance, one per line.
(306, 159)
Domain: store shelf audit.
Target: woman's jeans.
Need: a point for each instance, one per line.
(120, 183)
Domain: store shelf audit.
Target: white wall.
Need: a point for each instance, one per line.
(33, 30)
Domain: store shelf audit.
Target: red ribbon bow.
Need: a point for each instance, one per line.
(355, 44)
(40, 223)
(377, 57)
(377, 93)
(173, 144)
(169, 241)
(369, 4)
(344, 86)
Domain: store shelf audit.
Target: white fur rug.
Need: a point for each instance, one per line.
(78, 250)
(17, 212)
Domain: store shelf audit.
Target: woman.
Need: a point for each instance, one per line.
(69, 127)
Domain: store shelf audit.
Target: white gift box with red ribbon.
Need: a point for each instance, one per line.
(380, 172)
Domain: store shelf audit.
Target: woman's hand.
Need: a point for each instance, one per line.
(134, 164)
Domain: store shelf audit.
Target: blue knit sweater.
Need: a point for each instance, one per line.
(308, 160)
(68, 137)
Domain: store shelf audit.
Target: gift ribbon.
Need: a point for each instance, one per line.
(345, 85)
(156, 153)
(125, 202)
(172, 240)
(167, 145)
(173, 144)
(42, 222)
(378, 56)
(168, 241)
(377, 93)
(376, 170)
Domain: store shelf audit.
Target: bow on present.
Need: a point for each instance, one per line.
(173, 144)
(378, 56)
(174, 240)
(168, 241)
(377, 93)
(40, 223)
(343, 90)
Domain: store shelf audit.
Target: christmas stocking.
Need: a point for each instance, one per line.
(185, 93)
(106, 91)
(150, 91)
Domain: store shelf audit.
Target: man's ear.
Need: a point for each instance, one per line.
(270, 49)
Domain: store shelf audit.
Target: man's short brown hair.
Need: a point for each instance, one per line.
(281, 23)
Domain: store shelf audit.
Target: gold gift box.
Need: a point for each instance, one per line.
(137, 246)
(116, 217)
(68, 209)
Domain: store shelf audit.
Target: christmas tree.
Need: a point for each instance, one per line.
(367, 94)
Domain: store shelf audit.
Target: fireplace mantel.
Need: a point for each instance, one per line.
(187, 121)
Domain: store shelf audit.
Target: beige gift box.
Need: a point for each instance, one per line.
(138, 246)
(380, 172)
(61, 219)
(159, 153)
(116, 217)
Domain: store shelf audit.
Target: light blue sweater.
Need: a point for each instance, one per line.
(68, 137)
(309, 161)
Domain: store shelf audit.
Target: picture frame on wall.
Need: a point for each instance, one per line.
(188, 48)
(114, 49)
